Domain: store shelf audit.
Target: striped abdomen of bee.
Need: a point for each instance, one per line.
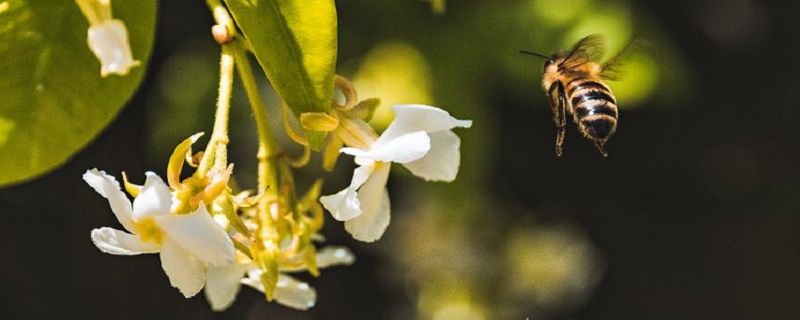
(594, 109)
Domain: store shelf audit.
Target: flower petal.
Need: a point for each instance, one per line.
(344, 205)
(185, 272)
(416, 117)
(293, 293)
(289, 291)
(401, 149)
(375, 206)
(118, 242)
(442, 162)
(253, 279)
(334, 255)
(198, 234)
(108, 187)
(99, 181)
(154, 199)
(108, 40)
(223, 283)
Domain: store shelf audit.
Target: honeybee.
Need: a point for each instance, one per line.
(573, 81)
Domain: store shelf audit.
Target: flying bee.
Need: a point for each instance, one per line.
(573, 81)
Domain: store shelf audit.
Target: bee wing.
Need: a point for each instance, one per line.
(590, 48)
(612, 69)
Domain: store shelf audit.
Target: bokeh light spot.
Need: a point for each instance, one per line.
(558, 12)
(638, 80)
(395, 72)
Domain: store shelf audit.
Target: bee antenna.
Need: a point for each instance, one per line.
(534, 54)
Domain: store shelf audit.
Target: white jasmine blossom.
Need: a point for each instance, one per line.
(187, 243)
(419, 138)
(108, 38)
(223, 283)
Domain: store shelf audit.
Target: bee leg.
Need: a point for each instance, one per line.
(599, 145)
(560, 139)
(558, 103)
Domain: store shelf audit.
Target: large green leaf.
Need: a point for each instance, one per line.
(295, 42)
(54, 101)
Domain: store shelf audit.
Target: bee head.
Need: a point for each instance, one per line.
(549, 64)
(553, 65)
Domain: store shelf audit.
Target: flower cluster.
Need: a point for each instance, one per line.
(194, 226)
(211, 246)
(212, 236)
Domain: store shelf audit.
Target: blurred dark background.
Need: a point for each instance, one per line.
(693, 215)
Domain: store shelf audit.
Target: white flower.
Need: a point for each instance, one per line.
(109, 42)
(419, 138)
(186, 242)
(223, 283)
(108, 38)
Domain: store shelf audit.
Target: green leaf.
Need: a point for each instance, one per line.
(295, 43)
(54, 100)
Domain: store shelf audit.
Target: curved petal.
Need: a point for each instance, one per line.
(294, 293)
(417, 117)
(334, 255)
(289, 291)
(198, 234)
(442, 162)
(344, 205)
(253, 279)
(153, 200)
(109, 42)
(98, 180)
(108, 187)
(118, 242)
(401, 149)
(185, 272)
(223, 283)
(370, 225)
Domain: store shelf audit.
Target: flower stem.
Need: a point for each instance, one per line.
(216, 154)
(269, 160)
(268, 149)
